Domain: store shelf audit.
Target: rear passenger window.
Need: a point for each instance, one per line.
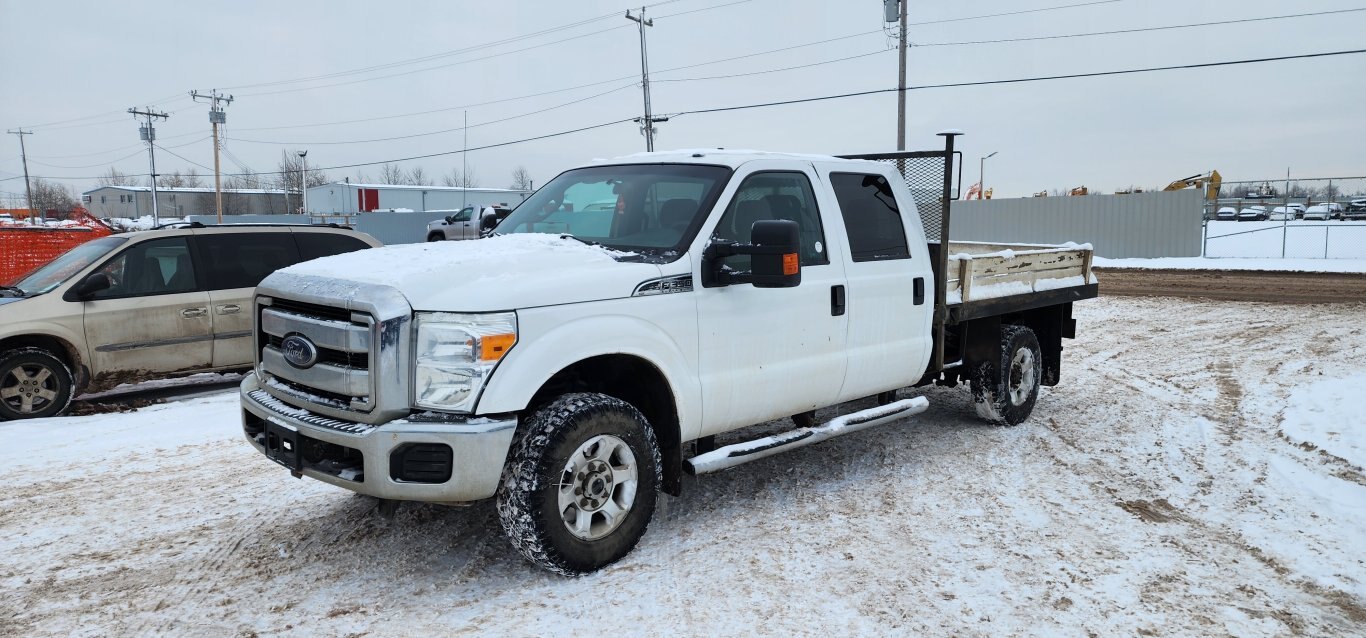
(871, 217)
(315, 245)
(242, 260)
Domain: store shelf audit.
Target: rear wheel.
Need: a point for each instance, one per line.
(1005, 391)
(580, 483)
(34, 383)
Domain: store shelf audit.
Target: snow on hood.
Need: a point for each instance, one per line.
(498, 273)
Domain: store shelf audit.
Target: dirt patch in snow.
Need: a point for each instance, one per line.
(1235, 285)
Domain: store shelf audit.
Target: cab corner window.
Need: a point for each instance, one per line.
(156, 267)
(871, 217)
(774, 195)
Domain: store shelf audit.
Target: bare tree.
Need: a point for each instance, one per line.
(521, 179)
(418, 177)
(51, 197)
(176, 179)
(467, 179)
(116, 177)
(391, 174)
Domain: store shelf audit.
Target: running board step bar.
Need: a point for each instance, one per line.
(739, 453)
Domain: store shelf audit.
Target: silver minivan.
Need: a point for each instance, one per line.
(143, 305)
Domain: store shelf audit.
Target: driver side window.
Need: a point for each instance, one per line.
(774, 195)
(463, 216)
(157, 267)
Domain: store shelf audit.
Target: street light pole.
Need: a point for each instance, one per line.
(982, 175)
(303, 178)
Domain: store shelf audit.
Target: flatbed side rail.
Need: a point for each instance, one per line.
(930, 177)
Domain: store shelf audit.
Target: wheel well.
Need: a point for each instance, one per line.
(637, 382)
(58, 347)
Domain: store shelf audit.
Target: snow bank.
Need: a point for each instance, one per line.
(1326, 414)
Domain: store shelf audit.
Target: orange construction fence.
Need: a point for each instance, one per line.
(24, 248)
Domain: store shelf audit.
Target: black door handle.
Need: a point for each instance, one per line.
(919, 291)
(836, 300)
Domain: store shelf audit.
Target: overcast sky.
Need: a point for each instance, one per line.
(60, 61)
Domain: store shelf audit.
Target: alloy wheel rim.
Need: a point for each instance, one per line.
(28, 388)
(597, 487)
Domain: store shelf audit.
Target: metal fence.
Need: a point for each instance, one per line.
(1321, 218)
(1160, 224)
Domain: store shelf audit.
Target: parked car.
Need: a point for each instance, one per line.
(1318, 211)
(1356, 209)
(1227, 214)
(464, 225)
(1253, 214)
(1287, 212)
(143, 305)
(1335, 210)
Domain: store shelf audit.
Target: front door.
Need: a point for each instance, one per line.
(154, 318)
(767, 353)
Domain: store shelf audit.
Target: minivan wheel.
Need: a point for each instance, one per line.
(580, 483)
(34, 383)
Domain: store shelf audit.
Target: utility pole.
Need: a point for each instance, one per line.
(149, 133)
(28, 191)
(901, 79)
(648, 122)
(216, 117)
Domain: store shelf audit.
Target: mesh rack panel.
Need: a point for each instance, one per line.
(923, 172)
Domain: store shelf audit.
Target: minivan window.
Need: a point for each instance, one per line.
(242, 260)
(315, 245)
(156, 267)
(53, 273)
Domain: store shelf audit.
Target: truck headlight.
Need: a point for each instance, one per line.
(455, 355)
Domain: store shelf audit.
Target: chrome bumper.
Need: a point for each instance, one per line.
(479, 445)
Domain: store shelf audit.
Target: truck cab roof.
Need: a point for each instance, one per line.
(732, 158)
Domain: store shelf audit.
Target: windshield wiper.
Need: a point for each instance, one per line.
(579, 239)
(15, 289)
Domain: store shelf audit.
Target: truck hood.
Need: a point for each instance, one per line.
(499, 273)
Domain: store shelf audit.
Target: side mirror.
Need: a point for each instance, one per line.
(774, 250)
(91, 285)
(450, 219)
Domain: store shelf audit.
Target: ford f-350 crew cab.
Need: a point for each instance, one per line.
(585, 357)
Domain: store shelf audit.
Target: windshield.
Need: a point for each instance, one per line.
(53, 273)
(651, 209)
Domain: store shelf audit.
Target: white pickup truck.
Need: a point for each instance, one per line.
(586, 356)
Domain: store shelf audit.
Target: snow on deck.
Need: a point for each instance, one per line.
(1163, 488)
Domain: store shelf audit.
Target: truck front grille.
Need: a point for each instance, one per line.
(339, 377)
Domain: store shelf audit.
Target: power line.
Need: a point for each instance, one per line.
(1137, 30)
(1027, 79)
(824, 98)
(442, 131)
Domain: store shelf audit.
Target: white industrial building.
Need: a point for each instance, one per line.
(342, 197)
(136, 201)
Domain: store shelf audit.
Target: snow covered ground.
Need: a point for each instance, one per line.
(1197, 472)
(1303, 239)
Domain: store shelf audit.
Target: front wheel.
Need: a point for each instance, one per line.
(435, 237)
(1005, 391)
(34, 383)
(580, 483)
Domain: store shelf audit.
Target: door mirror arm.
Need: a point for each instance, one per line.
(87, 288)
(774, 263)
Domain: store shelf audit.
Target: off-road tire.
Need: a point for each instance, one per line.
(31, 362)
(1004, 391)
(527, 499)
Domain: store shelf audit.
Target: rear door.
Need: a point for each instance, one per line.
(235, 260)
(766, 353)
(889, 340)
(154, 318)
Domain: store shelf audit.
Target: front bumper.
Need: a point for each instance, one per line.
(369, 459)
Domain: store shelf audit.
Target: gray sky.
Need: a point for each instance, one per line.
(62, 60)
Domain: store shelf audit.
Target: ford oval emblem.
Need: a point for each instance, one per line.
(299, 351)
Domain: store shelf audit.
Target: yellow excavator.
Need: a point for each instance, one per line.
(1209, 181)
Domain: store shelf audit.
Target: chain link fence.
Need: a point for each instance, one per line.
(1291, 218)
